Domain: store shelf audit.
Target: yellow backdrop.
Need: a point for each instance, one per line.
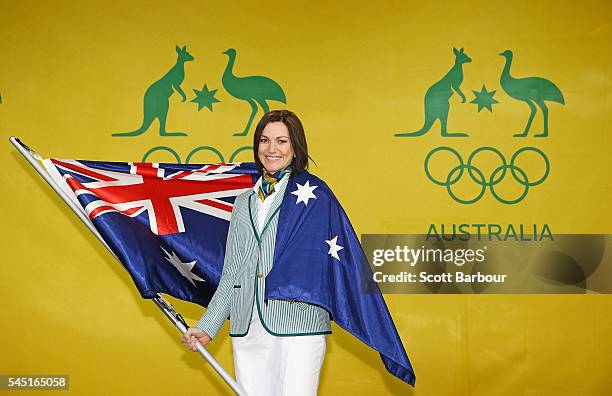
(72, 73)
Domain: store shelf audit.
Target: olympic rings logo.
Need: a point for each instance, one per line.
(493, 180)
(196, 150)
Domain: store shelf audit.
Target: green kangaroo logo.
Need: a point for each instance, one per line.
(251, 89)
(438, 95)
(156, 98)
(529, 90)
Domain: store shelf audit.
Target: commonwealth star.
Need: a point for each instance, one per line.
(334, 248)
(183, 268)
(304, 192)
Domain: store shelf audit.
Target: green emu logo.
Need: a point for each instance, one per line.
(530, 90)
(253, 90)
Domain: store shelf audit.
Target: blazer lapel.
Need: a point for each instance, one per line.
(253, 208)
(274, 208)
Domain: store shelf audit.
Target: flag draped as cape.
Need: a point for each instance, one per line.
(318, 260)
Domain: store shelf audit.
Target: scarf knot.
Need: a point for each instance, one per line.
(269, 181)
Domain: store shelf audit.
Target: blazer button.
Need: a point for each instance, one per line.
(259, 274)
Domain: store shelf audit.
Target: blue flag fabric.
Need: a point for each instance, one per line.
(318, 259)
(168, 225)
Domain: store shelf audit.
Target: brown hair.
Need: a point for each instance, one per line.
(296, 136)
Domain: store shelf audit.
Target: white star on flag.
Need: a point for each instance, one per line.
(334, 248)
(304, 192)
(183, 268)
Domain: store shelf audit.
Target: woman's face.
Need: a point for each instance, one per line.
(275, 151)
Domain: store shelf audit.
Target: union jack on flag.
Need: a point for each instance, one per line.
(155, 216)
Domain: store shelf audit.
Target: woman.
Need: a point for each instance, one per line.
(278, 345)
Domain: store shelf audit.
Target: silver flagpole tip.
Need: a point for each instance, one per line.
(15, 140)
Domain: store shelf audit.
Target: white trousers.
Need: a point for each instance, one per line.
(266, 365)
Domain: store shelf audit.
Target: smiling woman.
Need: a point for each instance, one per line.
(279, 345)
(275, 151)
(279, 141)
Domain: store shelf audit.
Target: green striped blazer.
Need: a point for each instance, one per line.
(248, 260)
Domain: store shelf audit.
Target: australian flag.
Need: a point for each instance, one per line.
(168, 225)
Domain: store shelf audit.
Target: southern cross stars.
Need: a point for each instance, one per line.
(334, 248)
(304, 193)
(484, 99)
(205, 98)
(183, 268)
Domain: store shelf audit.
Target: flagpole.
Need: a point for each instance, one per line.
(34, 159)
